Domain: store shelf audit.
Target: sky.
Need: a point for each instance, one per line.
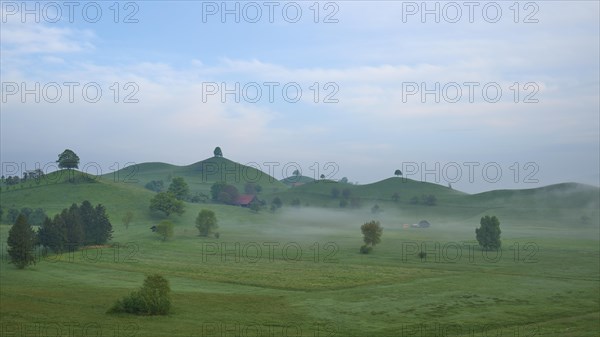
(479, 95)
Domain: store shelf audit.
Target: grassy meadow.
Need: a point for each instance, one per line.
(298, 271)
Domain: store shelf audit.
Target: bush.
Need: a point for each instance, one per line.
(422, 255)
(152, 299)
(364, 249)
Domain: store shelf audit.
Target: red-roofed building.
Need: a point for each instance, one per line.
(245, 200)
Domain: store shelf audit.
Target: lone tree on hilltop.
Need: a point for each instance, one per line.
(397, 173)
(488, 234)
(217, 152)
(371, 231)
(21, 242)
(68, 160)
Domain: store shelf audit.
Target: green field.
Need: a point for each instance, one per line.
(298, 272)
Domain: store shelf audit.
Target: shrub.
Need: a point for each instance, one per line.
(152, 299)
(364, 249)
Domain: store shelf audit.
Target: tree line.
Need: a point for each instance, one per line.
(72, 228)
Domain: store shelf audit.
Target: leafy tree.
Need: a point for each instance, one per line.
(488, 234)
(397, 173)
(165, 229)
(127, 219)
(276, 204)
(155, 185)
(371, 233)
(179, 188)
(296, 173)
(255, 206)
(217, 152)
(396, 197)
(344, 180)
(429, 200)
(21, 243)
(68, 159)
(228, 195)
(335, 192)
(167, 203)
(216, 189)
(322, 176)
(206, 222)
(152, 299)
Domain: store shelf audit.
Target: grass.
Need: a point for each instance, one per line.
(298, 272)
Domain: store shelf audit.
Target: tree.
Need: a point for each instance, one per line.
(296, 173)
(276, 204)
(206, 222)
(322, 176)
(375, 209)
(397, 173)
(68, 159)
(255, 206)
(344, 180)
(179, 188)
(21, 242)
(167, 203)
(252, 188)
(371, 233)
(217, 152)
(102, 227)
(12, 215)
(228, 195)
(216, 189)
(74, 231)
(127, 219)
(36, 218)
(155, 185)
(488, 234)
(165, 229)
(52, 234)
(152, 299)
(429, 200)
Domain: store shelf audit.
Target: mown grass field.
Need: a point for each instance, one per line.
(298, 272)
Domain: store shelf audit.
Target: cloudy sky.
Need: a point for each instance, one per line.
(485, 95)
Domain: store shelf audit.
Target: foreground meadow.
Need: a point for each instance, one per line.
(298, 273)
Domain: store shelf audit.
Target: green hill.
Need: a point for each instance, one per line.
(199, 176)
